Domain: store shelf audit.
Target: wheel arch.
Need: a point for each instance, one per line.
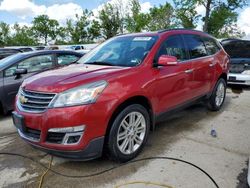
(142, 100)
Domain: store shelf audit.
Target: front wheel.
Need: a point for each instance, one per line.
(128, 133)
(217, 98)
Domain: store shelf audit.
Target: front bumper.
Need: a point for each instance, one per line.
(37, 126)
(92, 151)
(239, 79)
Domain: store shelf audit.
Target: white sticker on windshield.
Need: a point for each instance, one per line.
(142, 38)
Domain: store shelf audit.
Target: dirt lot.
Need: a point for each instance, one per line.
(184, 136)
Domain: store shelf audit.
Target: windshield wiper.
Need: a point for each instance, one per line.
(99, 63)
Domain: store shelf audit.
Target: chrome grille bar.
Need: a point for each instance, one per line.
(34, 102)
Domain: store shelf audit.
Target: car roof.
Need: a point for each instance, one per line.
(19, 56)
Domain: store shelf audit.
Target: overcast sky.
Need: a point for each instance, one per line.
(23, 11)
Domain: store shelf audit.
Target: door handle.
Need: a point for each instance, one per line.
(189, 71)
(211, 64)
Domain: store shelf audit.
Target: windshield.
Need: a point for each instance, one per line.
(125, 51)
(238, 49)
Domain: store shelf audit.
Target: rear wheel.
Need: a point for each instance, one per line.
(217, 98)
(128, 133)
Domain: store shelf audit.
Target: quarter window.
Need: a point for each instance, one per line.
(67, 59)
(211, 46)
(195, 46)
(174, 46)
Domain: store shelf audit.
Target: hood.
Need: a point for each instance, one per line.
(58, 80)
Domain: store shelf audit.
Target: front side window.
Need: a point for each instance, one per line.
(66, 59)
(33, 64)
(173, 46)
(125, 51)
(195, 46)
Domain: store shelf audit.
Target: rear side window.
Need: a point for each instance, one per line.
(173, 46)
(211, 45)
(195, 46)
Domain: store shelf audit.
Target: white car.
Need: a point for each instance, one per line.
(239, 67)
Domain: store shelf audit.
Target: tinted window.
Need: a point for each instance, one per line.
(238, 49)
(66, 59)
(211, 46)
(33, 64)
(195, 46)
(173, 46)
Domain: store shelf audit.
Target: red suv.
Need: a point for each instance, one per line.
(117, 92)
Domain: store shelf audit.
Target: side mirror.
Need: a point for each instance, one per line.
(166, 60)
(20, 71)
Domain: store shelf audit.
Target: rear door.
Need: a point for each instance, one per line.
(33, 65)
(203, 67)
(173, 82)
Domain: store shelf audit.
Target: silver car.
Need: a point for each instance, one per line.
(239, 68)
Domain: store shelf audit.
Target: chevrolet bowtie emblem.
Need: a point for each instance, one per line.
(22, 99)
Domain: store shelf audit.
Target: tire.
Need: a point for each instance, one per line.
(218, 96)
(132, 136)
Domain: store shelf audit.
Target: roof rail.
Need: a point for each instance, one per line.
(180, 29)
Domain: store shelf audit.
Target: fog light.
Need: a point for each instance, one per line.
(72, 138)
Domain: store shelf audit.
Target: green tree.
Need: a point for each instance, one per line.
(4, 34)
(23, 36)
(136, 21)
(94, 30)
(186, 13)
(78, 30)
(161, 17)
(110, 21)
(219, 7)
(45, 28)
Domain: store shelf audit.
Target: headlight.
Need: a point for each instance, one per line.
(85, 94)
(246, 72)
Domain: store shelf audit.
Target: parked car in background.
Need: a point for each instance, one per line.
(51, 48)
(114, 94)
(239, 68)
(15, 68)
(5, 52)
(76, 47)
(39, 47)
(22, 48)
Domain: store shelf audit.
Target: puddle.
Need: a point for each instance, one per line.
(237, 90)
(242, 178)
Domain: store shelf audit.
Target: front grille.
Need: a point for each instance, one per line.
(34, 101)
(56, 138)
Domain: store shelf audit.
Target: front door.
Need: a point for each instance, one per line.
(173, 82)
